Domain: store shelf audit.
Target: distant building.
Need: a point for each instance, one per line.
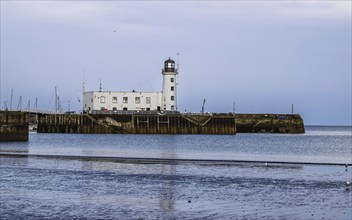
(137, 101)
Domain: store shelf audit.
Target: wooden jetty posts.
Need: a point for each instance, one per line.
(170, 123)
(13, 126)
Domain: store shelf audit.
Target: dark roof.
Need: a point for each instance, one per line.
(169, 61)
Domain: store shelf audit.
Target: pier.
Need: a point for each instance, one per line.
(269, 123)
(137, 123)
(13, 126)
(156, 123)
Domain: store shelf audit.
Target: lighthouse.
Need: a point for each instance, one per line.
(114, 102)
(169, 93)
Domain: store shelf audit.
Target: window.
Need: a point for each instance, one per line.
(125, 99)
(172, 88)
(172, 80)
(148, 109)
(114, 109)
(102, 99)
(138, 100)
(172, 98)
(125, 109)
(172, 107)
(148, 100)
(114, 99)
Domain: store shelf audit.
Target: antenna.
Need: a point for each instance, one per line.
(292, 109)
(84, 79)
(203, 106)
(100, 85)
(56, 100)
(178, 61)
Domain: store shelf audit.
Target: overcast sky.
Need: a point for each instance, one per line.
(263, 55)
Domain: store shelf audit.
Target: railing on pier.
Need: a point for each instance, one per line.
(34, 111)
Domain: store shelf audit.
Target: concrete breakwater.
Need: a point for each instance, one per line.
(13, 126)
(170, 124)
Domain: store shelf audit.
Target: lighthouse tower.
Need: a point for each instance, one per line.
(169, 93)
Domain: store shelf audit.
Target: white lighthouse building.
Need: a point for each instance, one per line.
(109, 101)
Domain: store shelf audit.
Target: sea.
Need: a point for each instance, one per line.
(243, 176)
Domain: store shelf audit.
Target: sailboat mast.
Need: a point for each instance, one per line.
(56, 99)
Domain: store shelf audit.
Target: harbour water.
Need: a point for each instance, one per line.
(37, 187)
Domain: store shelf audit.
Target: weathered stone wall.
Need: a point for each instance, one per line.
(13, 126)
(171, 124)
(269, 123)
(137, 124)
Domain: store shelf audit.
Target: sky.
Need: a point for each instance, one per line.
(263, 56)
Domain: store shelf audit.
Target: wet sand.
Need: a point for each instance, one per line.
(35, 187)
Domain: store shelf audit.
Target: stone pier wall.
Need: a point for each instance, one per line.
(138, 124)
(269, 123)
(171, 124)
(13, 126)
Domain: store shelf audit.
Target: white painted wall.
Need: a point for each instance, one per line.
(169, 100)
(107, 100)
(165, 100)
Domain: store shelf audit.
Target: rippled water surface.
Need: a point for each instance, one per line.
(36, 188)
(318, 144)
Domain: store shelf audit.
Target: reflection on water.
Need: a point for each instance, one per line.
(41, 188)
(15, 147)
(318, 144)
(167, 189)
(166, 196)
(46, 188)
